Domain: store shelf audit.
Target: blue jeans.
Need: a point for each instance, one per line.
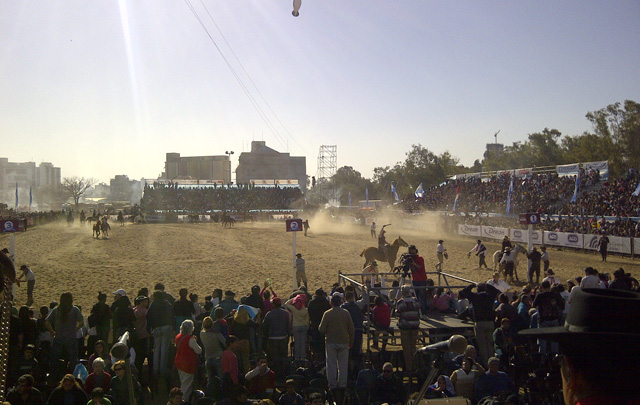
(300, 342)
(545, 346)
(161, 341)
(62, 346)
(214, 370)
(421, 294)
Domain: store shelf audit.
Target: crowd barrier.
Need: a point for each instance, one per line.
(617, 244)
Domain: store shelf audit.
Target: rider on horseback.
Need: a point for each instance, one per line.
(383, 245)
(506, 244)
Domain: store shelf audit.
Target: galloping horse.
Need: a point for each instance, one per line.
(500, 266)
(105, 227)
(373, 253)
(227, 220)
(96, 230)
(121, 218)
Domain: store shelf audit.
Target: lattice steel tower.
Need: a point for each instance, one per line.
(327, 167)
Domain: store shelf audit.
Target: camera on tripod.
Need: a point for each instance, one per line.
(406, 260)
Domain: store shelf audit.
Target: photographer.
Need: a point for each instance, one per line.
(415, 264)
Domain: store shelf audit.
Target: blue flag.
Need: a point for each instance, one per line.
(419, 191)
(509, 196)
(575, 190)
(395, 194)
(366, 193)
(16, 196)
(637, 192)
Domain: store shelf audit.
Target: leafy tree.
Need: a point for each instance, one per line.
(347, 179)
(76, 187)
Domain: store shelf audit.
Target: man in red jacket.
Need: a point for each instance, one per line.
(261, 380)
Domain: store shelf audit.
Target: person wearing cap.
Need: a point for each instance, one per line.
(441, 253)
(301, 276)
(408, 312)
(506, 243)
(499, 284)
(600, 361)
(383, 245)
(481, 251)
(229, 303)
(551, 278)
(508, 260)
(370, 273)
(31, 282)
(337, 326)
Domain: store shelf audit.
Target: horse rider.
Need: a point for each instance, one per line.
(506, 243)
(83, 216)
(383, 245)
(120, 217)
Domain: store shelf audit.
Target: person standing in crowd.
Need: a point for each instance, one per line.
(140, 335)
(214, 344)
(483, 315)
(535, 258)
(464, 378)
(261, 380)
(603, 245)
(499, 284)
(550, 305)
(183, 309)
(186, 361)
(545, 258)
(160, 321)
(301, 275)
(600, 361)
(621, 280)
(242, 327)
(276, 328)
(337, 326)
(31, 282)
(65, 319)
(480, 251)
(356, 310)
(388, 388)
(102, 313)
(418, 276)
(408, 311)
(591, 279)
(298, 308)
(123, 316)
(441, 253)
(317, 307)
(493, 381)
(229, 303)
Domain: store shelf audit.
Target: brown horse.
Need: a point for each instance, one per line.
(373, 253)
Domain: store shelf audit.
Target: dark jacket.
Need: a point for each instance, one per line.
(57, 396)
(317, 307)
(160, 313)
(482, 302)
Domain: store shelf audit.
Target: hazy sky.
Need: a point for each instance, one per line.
(101, 88)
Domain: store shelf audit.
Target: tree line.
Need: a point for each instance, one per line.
(615, 136)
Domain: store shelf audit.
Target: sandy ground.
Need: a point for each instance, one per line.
(205, 256)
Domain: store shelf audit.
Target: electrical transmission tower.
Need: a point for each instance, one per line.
(327, 167)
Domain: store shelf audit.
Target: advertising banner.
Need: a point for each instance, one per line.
(521, 173)
(603, 166)
(564, 239)
(522, 235)
(470, 230)
(568, 170)
(493, 232)
(636, 246)
(617, 244)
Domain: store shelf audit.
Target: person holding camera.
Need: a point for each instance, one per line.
(415, 263)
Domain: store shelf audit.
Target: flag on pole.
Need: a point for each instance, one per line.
(637, 192)
(419, 191)
(349, 199)
(575, 190)
(455, 203)
(366, 193)
(30, 197)
(395, 194)
(16, 195)
(509, 196)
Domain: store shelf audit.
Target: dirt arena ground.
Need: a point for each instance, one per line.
(205, 256)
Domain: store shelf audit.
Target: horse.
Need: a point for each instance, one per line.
(139, 219)
(83, 217)
(70, 219)
(104, 227)
(373, 253)
(121, 218)
(96, 230)
(500, 266)
(227, 221)
(92, 218)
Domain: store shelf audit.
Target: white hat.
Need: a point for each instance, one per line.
(120, 292)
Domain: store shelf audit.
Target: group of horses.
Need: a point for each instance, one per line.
(373, 253)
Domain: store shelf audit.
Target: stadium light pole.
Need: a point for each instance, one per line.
(229, 153)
